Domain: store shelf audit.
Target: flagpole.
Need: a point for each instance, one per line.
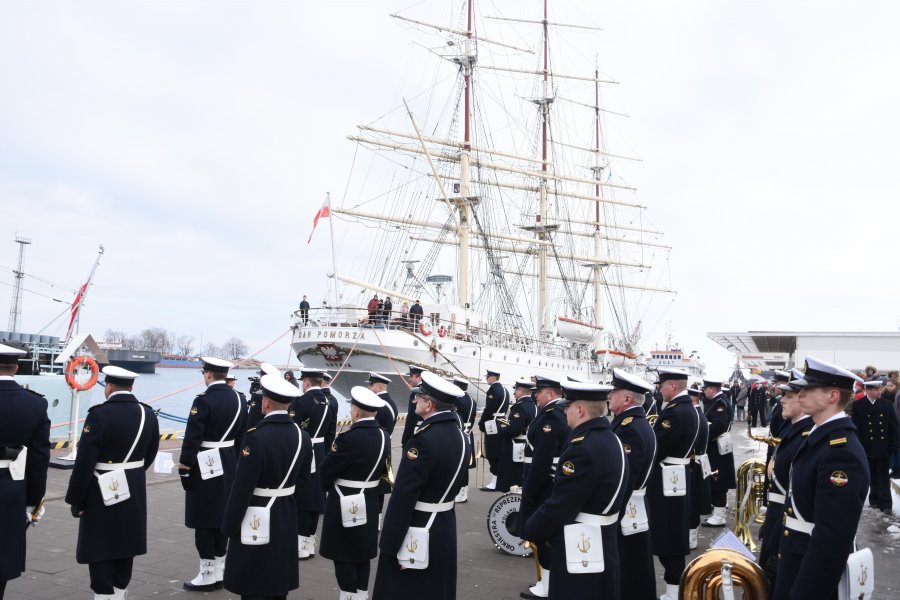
(333, 259)
(73, 328)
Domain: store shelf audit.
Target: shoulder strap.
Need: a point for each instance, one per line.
(650, 470)
(696, 433)
(462, 459)
(236, 415)
(140, 431)
(290, 468)
(621, 476)
(322, 421)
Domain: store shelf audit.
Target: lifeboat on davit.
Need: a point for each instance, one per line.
(577, 331)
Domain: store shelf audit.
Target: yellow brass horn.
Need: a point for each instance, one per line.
(719, 569)
(751, 497)
(388, 474)
(765, 439)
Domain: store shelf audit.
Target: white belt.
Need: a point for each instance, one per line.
(699, 456)
(639, 493)
(225, 444)
(555, 459)
(527, 460)
(671, 460)
(356, 484)
(274, 492)
(319, 440)
(775, 497)
(135, 464)
(798, 525)
(434, 507)
(601, 520)
(520, 438)
(4, 464)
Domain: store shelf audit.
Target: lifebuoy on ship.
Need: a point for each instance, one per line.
(74, 366)
(424, 329)
(442, 331)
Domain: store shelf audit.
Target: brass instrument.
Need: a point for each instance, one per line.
(765, 439)
(652, 420)
(388, 474)
(751, 497)
(720, 569)
(537, 563)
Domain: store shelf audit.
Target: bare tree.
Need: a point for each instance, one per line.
(234, 348)
(113, 336)
(210, 349)
(133, 342)
(185, 345)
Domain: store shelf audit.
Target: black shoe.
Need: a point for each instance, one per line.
(220, 585)
(199, 588)
(529, 596)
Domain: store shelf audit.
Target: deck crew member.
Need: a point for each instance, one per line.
(311, 411)
(700, 471)
(495, 403)
(829, 479)
(217, 419)
(354, 466)
(638, 581)
(276, 457)
(718, 414)
(792, 436)
(413, 378)
(668, 500)
(589, 490)
(24, 456)
(878, 430)
(118, 444)
(547, 434)
(512, 436)
(428, 479)
(254, 407)
(465, 411)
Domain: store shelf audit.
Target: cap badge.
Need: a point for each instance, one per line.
(86, 429)
(568, 468)
(839, 479)
(194, 411)
(547, 428)
(412, 454)
(245, 451)
(627, 448)
(666, 424)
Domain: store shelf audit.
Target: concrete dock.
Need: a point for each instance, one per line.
(484, 572)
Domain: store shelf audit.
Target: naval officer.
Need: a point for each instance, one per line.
(631, 426)
(496, 402)
(254, 407)
(465, 411)
(275, 458)
(829, 479)
(428, 479)
(512, 436)
(699, 471)
(718, 415)
(24, 456)
(353, 468)
(108, 487)
(387, 414)
(878, 430)
(668, 498)
(589, 490)
(413, 378)
(327, 378)
(217, 420)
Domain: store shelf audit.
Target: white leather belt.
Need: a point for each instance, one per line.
(639, 493)
(356, 484)
(699, 456)
(434, 507)
(798, 525)
(589, 519)
(135, 464)
(225, 444)
(527, 460)
(671, 460)
(4, 464)
(274, 492)
(520, 438)
(319, 440)
(555, 459)
(777, 498)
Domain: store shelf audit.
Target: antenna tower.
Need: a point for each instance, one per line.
(15, 309)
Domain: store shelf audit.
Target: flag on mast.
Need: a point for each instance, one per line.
(76, 307)
(324, 212)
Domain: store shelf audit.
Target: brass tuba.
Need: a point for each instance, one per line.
(719, 570)
(388, 474)
(751, 497)
(765, 439)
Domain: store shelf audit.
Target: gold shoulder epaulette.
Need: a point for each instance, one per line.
(838, 442)
(805, 433)
(251, 429)
(578, 440)
(627, 420)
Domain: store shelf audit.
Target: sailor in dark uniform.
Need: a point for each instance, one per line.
(756, 401)
(496, 402)
(779, 468)
(547, 434)
(718, 414)
(638, 581)
(333, 405)
(700, 472)
(24, 456)
(387, 415)
(428, 479)
(465, 411)
(512, 436)
(580, 519)
(119, 441)
(676, 432)
(879, 432)
(777, 423)
(354, 467)
(312, 413)
(412, 379)
(217, 420)
(829, 480)
(231, 380)
(254, 407)
(275, 458)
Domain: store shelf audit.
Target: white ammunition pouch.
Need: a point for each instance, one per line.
(113, 483)
(518, 449)
(490, 427)
(705, 467)
(584, 543)
(353, 506)
(635, 519)
(674, 478)
(210, 461)
(858, 579)
(725, 443)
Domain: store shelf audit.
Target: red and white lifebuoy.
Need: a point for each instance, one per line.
(74, 366)
(425, 329)
(442, 331)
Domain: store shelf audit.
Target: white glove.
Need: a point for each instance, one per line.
(31, 517)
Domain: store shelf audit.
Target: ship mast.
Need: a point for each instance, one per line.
(598, 170)
(464, 200)
(542, 229)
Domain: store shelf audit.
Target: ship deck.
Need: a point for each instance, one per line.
(484, 573)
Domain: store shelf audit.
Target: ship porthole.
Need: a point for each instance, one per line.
(454, 348)
(440, 346)
(474, 353)
(56, 403)
(504, 357)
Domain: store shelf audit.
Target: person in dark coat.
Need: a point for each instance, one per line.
(772, 529)
(756, 401)
(304, 310)
(121, 435)
(701, 503)
(718, 414)
(589, 490)
(546, 437)
(829, 480)
(331, 432)
(412, 419)
(24, 437)
(354, 466)
(465, 411)
(313, 414)
(496, 403)
(512, 436)
(638, 581)
(676, 432)
(216, 422)
(878, 430)
(254, 406)
(373, 309)
(386, 418)
(275, 459)
(415, 314)
(428, 479)
(386, 311)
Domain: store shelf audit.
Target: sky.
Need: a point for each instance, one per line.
(196, 140)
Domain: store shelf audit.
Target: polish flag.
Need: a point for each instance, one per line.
(324, 212)
(76, 307)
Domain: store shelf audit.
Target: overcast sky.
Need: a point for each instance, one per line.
(196, 140)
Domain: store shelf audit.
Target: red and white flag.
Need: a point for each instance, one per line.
(324, 212)
(76, 307)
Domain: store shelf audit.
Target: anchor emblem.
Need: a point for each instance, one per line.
(863, 577)
(412, 545)
(114, 486)
(210, 461)
(254, 525)
(632, 510)
(354, 509)
(674, 479)
(583, 547)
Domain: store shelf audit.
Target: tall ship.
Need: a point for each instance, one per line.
(491, 200)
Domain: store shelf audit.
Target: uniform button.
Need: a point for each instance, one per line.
(787, 532)
(779, 556)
